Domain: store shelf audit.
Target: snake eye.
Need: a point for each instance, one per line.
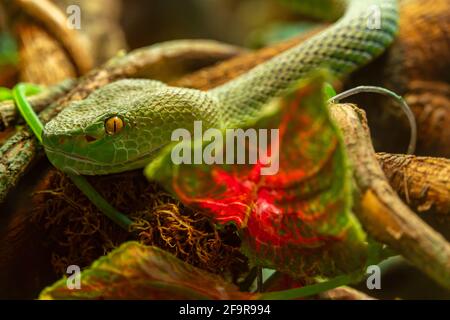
(114, 125)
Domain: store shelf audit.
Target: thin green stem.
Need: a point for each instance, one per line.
(26, 110)
(259, 279)
(89, 191)
(19, 94)
(377, 255)
(310, 289)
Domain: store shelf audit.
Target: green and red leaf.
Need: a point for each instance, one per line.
(299, 220)
(135, 271)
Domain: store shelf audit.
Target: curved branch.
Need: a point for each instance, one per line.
(19, 152)
(55, 21)
(8, 110)
(380, 210)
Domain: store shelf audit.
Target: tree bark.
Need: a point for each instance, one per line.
(377, 206)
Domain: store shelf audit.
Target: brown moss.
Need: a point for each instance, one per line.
(78, 233)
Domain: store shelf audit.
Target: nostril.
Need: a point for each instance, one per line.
(90, 138)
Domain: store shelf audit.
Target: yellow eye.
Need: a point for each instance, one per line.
(114, 125)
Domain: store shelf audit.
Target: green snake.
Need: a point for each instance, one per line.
(122, 125)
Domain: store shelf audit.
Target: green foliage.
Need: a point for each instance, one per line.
(8, 50)
(298, 221)
(5, 94)
(328, 91)
(280, 31)
(135, 271)
(320, 9)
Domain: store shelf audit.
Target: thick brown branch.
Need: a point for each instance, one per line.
(223, 72)
(380, 210)
(34, 41)
(8, 110)
(55, 20)
(423, 182)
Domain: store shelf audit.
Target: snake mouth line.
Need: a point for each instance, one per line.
(79, 158)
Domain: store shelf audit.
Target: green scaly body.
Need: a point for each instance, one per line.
(76, 141)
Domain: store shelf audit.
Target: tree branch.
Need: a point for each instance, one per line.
(379, 209)
(422, 182)
(158, 62)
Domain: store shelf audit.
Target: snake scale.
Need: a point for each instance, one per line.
(122, 125)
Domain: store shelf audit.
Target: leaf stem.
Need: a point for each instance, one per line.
(310, 289)
(27, 112)
(383, 91)
(19, 94)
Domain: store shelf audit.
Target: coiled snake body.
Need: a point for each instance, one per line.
(121, 126)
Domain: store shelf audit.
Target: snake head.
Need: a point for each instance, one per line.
(122, 126)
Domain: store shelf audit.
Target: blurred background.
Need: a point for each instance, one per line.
(245, 23)
(108, 26)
